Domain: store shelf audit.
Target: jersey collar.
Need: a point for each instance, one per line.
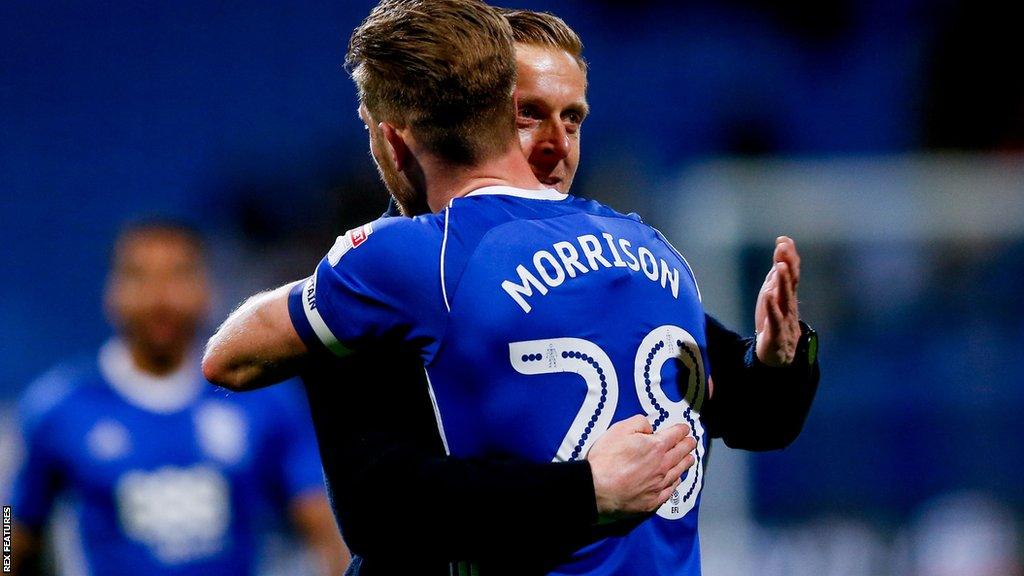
(545, 194)
(162, 395)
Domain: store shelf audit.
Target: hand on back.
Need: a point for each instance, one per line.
(636, 470)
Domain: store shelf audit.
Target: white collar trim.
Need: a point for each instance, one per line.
(545, 194)
(159, 394)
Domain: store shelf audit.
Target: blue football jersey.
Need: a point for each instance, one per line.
(156, 484)
(541, 319)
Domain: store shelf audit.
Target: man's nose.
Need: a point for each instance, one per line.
(555, 142)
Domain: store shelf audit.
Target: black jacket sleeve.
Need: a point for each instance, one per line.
(447, 509)
(755, 406)
(402, 503)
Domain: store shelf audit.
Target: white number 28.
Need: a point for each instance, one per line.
(590, 362)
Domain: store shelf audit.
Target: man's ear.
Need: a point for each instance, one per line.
(399, 148)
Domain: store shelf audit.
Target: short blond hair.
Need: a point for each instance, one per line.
(545, 29)
(444, 68)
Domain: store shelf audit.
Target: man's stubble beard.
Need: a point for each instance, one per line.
(410, 202)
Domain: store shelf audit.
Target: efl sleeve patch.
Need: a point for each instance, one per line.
(347, 241)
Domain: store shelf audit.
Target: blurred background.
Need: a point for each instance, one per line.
(885, 136)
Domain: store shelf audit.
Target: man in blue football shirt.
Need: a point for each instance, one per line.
(164, 474)
(762, 395)
(530, 310)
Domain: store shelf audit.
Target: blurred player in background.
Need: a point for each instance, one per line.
(257, 345)
(164, 473)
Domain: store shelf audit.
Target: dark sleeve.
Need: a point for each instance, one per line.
(755, 406)
(453, 509)
(401, 501)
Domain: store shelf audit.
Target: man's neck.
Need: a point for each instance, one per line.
(138, 383)
(155, 364)
(509, 169)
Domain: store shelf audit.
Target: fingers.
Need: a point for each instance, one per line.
(677, 452)
(767, 343)
(773, 316)
(760, 313)
(785, 251)
(776, 346)
(769, 280)
(786, 288)
(665, 494)
(635, 424)
(682, 466)
(689, 444)
(776, 318)
(770, 284)
(674, 434)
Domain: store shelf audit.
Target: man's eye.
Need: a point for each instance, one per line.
(574, 118)
(529, 112)
(526, 123)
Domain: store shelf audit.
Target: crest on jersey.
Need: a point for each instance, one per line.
(222, 431)
(347, 241)
(108, 440)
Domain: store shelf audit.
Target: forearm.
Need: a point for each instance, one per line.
(312, 516)
(755, 406)
(256, 346)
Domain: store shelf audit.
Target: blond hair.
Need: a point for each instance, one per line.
(545, 29)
